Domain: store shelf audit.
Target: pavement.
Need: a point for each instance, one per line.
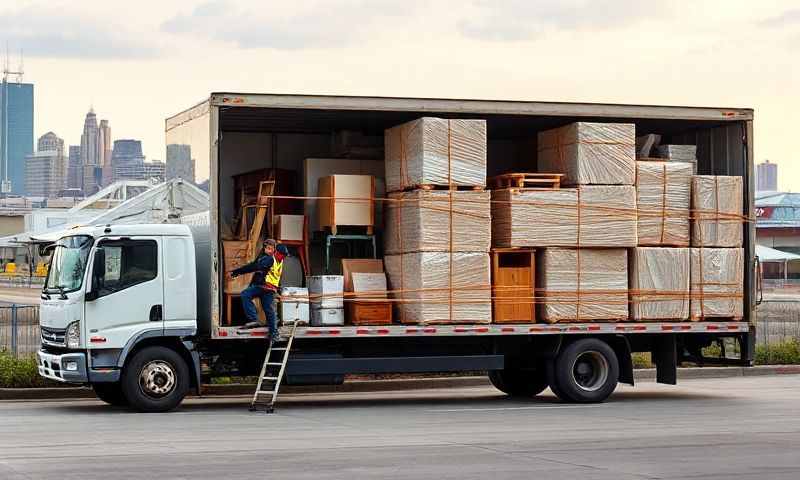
(20, 296)
(742, 428)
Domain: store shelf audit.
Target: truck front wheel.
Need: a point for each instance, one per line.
(111, 393)
(586, 371)
(519, 383)
(155, 380)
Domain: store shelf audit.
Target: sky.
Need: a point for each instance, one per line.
(139, 62)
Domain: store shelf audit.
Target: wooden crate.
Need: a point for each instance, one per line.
(513, 285)
(369, 312)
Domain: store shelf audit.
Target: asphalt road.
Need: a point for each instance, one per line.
(738, 428)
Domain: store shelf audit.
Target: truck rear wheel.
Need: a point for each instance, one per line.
(519, 383)
(586, 371)
(111, 393)
(155, 380)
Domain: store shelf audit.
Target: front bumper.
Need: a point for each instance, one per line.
(54, 367)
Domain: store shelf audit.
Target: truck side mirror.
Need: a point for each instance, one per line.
(98, 273)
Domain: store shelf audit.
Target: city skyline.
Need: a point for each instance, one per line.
(160, 63)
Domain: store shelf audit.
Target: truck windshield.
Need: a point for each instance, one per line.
(68, 264)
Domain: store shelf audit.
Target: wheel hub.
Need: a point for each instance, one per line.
(157, 378)
(590, 371)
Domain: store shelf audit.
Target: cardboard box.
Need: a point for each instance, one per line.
(662, 201)
(422, 221)
(359, 265)
(369, 285)
(583, 285)
(717, 283)
(550, 218)
(440, 287)
(290, 227)
(351, 201)
(326, 291)
(589, 153)
(659, 283)
(435, 151)
(717, 211)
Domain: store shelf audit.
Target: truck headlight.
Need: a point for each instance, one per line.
(73, 335)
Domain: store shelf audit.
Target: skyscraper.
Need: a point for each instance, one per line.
(766, 177)
(90, 155)
(179, 162)
(127, 160)
(105, 147)
(45, 169)
(75, 170)
(16, 133)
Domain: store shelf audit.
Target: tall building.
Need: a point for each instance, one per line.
(127, 160)
(90, 155)
(180, 163)
(45, 169)
(105, 147)
(74, 169)
(16, 133)
(155, 170)
(766, 177)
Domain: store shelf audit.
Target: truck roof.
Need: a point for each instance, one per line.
(118, 230)
(345, 102)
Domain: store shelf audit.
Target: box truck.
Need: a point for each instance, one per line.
(136, 311)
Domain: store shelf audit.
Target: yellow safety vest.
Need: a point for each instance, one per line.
(274, 273)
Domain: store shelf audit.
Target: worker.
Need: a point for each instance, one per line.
(267, 270)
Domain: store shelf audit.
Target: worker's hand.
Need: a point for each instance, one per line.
(233, 274)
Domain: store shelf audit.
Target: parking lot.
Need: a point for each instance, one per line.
(741, 428)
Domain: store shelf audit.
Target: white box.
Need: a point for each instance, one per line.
(369, 285)
(294, 305)
(326, 291)
(326, 317)
(289, 227)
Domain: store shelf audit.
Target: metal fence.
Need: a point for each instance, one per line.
(19, 329)
(778, 321)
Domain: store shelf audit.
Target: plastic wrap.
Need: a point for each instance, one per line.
(590, 153)
(598, 292)
(423, 292)
(716, 283)
(436, 151)
(425, 223)
(716, 211)
(659, 283)
(549, 218)
(662, 199)
(680, 153)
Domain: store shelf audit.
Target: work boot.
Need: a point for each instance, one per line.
(250, 325)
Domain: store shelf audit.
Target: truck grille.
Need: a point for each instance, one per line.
(53, 336)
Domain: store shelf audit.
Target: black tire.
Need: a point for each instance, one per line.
(111, 393)
(586, 371)
(156, 379)
(552, 382)
(519, 383)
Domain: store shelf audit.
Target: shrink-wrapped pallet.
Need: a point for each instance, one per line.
(429, 290)
(680, 153)
(435, 151)
(717, 283)
(422, 221)
(583, 285)
(662, 199)
(590, 153)
(551, 218)
(659, 283)
(716, 211)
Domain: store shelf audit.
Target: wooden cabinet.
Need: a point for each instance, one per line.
(513, 286)
(351, 202)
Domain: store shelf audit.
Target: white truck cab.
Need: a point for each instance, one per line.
(118, 309)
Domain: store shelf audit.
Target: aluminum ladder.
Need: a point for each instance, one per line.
(272, 372)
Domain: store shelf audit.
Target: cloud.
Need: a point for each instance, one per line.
(789, 17)
(515, 20)
(40, 31)
(325, 24)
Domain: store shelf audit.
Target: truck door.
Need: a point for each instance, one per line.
(130, 295)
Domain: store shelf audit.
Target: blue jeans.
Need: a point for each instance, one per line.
(266, 296)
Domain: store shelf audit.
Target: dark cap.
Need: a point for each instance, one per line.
(282, 250)
(270, 241)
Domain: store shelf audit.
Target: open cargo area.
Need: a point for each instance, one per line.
(407, 181)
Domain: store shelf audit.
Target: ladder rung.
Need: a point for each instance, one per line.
(279, 348)
(269, 378)
(265, 392)
(274, 363)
